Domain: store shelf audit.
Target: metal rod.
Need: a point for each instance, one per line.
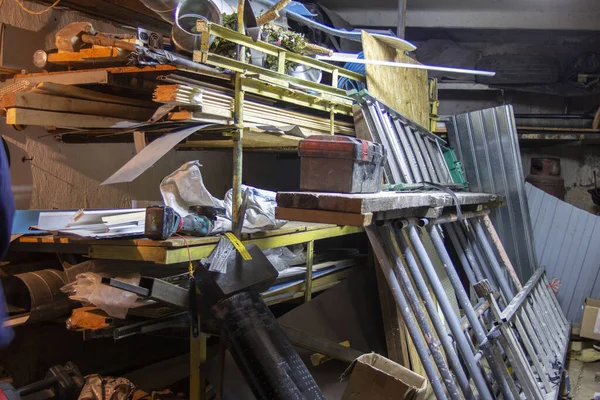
(489, 227)
(410, 155)
(401, 25)
(487, 248)
(428, 161)
(454, 230)
(516, 356)
(444, 219)
(345, 57)
(395, 148)
(475, 249)
(392, 162)
(461, 342)
(411, 135)
(238, 148)
(490, 353)
(310, 246)
(402, 306)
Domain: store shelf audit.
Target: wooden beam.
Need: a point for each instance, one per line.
(95, 55)
(23, 116)
(377, 202)
(44, 102)
(86, 94)
(393, 323)
(326, 217)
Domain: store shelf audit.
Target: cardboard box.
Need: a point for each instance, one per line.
(374, 377)
(590, 325)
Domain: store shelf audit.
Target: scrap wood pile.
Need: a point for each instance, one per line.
(78, 110)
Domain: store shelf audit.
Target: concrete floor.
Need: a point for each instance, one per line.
(583, 382)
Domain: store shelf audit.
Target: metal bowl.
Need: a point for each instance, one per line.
(187, 13)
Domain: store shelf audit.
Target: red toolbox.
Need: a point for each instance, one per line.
(333, 163)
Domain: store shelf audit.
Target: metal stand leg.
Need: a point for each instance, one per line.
(197, 361)
(238, 148)
(310, 247)
(401, 302)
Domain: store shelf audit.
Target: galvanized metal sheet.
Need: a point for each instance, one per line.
(567, 240)
(486, 143)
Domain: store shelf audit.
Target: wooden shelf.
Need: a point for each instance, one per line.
(174, 250)
(362, 209)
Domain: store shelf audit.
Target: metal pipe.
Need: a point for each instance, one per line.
(471, 276)
(472, 245)
(402, 306)
(492, 356)
(452, 321)
(497, 269)
(410, 155)
(411, 135)
(444, 219)
(401, 25)
(238, 149)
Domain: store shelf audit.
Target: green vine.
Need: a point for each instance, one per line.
(288, 40)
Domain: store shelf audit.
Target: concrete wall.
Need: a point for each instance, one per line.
(48, 174)
(497, 14)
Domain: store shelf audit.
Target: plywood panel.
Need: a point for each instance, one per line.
(405, 90)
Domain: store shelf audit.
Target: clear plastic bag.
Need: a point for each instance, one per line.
(88, 289)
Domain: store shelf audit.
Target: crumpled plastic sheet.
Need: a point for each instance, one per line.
(88, 289)
(185, 188)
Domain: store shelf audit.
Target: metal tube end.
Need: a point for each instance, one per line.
(400, 223)
(422, 222)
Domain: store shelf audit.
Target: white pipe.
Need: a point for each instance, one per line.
(345, 57)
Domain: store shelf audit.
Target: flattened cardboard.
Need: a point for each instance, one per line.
(590, 324)
(374, 377)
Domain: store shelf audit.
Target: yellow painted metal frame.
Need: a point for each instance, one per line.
(163, 255)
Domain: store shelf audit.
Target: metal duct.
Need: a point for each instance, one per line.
(36, 295)
(182, 14)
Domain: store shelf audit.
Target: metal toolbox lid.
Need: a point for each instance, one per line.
(338, 146)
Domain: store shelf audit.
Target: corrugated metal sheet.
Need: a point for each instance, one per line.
(567, 240)
(486, 143)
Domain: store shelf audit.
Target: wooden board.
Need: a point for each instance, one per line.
(54, 103)
(377, 202)
(23, 116)
(332, 217)
(95, 55)
(405, 90)
(86, 94)
(393, 323)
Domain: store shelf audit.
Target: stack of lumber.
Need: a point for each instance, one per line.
(210, 102)
(68, 106)
(361, 209)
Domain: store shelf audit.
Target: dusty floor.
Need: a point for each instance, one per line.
(583, 379)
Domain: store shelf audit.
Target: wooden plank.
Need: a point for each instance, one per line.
(361, 128)
(94, 55)
(139, 140)
(54, 103)
(393, 323)
(86, 94)
(329, 217)
(23, 116)
(405, 90)
(360, 203)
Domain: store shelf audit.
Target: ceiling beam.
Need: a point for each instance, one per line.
(124, 12)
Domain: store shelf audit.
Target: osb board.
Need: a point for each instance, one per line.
(406, 90)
